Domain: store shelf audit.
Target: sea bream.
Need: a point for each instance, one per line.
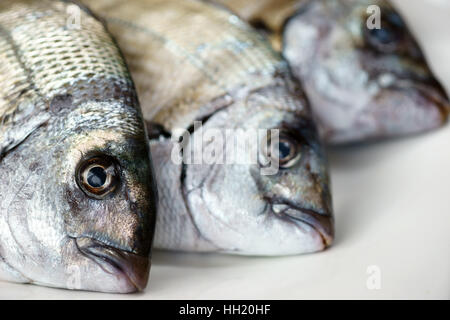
(193, 61)
(365, 81)
(77, 197)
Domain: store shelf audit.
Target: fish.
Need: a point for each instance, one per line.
(267, 16)
(199, 68)
(77, 194)
(365, 82)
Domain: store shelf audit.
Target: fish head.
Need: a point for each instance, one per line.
(269, 192)
(90, 218)
(363, 71)
(110, 197)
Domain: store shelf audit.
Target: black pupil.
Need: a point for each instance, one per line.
(96, 177)
(284, 149)
(384, 35)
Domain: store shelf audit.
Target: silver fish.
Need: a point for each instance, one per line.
(363, 83)
(77, 197)
(194, 61)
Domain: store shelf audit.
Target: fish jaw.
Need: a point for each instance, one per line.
(405, 108)
(128, 267)
(401, 110)
(322, 224)
(278, 229)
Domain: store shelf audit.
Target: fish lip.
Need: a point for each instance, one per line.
(132, 267)
(323, 224)
(437, 96)
(432, 91)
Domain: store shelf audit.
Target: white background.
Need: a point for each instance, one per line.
(392, 205)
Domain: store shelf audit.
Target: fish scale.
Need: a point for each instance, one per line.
(55, 57)
(227, 54)
(46, 58)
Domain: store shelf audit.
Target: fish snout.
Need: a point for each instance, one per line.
(436, 94)
(322, 223)
(426, 94)
(131, 267)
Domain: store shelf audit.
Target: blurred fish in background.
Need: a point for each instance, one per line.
(363, 83)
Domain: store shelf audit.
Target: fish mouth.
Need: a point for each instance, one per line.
(133, 268)
(438, 97)
(323, 224)
(431, 90)
(435, 94)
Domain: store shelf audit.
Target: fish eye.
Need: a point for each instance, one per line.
(97, 177)
(384, 35)
(288, 151)
(389, 37)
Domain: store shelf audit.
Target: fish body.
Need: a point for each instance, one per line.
(267, 16)
(365, 82)
(77, 196)
(193, 61)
